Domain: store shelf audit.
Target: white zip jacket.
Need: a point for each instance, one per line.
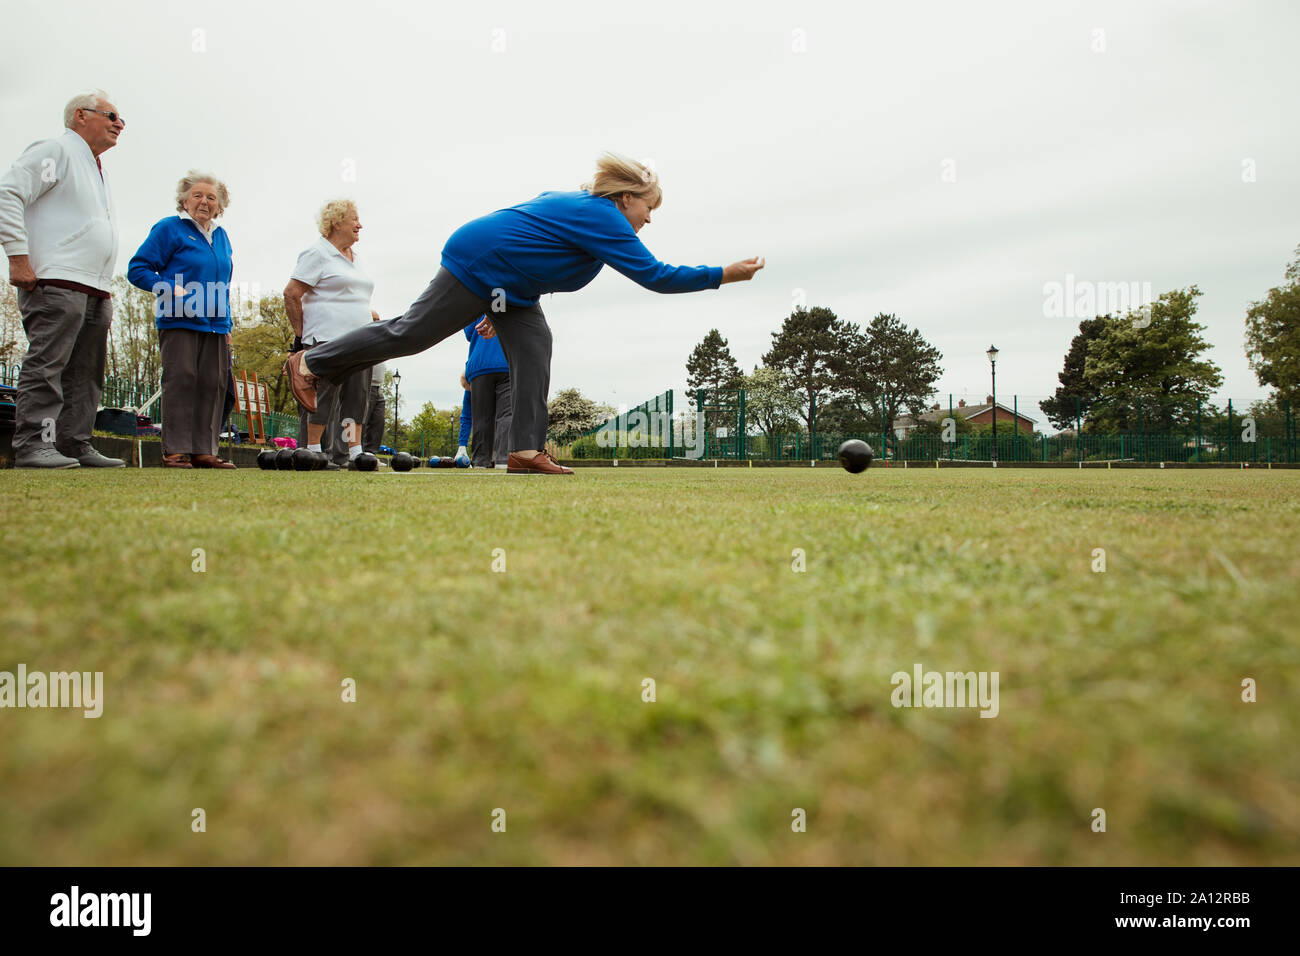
(57, 210)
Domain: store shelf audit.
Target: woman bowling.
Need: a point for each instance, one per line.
(498, 266)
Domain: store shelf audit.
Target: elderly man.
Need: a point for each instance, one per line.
(58, 227)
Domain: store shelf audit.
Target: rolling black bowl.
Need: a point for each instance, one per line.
(855, 455)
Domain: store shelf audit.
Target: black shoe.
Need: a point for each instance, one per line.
(332, 466)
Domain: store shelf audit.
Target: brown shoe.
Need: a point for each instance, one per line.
(302, 385)
(210, 461)
(176, 461)
(541, 464)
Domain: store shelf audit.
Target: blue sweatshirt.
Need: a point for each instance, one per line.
(558, 243)
(465, 419)
(485, 355)
(176, 252)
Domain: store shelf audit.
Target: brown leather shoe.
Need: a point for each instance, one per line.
(302, 385)
(176, 461)
(541, 464)
(210, 461)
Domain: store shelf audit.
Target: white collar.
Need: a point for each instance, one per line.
(207, 233)
(328, 247)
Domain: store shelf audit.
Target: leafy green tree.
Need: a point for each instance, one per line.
(840, 415)
(811, 350)
(1062, 407)
(889, 367)
(431, 431)
(1273, 336)
(1151, 374)
(769, 403)
(569, 414)
(134, 358)
(260, 342)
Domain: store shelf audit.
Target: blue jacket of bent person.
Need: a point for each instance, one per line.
(558, 242)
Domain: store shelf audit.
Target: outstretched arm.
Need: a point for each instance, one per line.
(743, 270)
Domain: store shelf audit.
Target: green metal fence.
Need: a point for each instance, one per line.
(718, 429)
(646, 431)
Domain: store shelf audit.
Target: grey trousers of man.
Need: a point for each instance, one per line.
(372, 435)
(195, 367)
(444, 308)
(490, 416)
(63, 371)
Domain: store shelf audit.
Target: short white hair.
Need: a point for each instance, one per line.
(192, 179)
(82, 101)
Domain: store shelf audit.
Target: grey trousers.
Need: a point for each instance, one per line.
(195, 367)
(443, 310)
(490, 417)
(63, 371)
(372, 435)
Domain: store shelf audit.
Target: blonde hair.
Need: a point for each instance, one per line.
(192, 179)
(333, 213)
(617, 174)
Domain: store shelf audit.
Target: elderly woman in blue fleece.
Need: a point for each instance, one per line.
(186, 263)
(501, 265)
(488, 374)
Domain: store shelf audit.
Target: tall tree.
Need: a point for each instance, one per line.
(711, 366)
(1151, 375)
(1273, 337)
(811, 350)
(890, 367)
(1074, 395)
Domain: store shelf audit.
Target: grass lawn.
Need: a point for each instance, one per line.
(522, 689)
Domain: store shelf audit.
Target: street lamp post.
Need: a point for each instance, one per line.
(397, 385)
(993, 365)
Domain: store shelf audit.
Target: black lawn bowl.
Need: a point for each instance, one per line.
(401, 462)
(855, 455)
(304, 459)
(364, 462)
(284, 459)
(266, 459)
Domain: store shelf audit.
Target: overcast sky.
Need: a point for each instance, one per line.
(941, 161)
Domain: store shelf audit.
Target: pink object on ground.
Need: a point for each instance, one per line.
(284, 442)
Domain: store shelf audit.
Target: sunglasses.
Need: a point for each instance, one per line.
(112, 117)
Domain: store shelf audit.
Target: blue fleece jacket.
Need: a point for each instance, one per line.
(485, 355)
(558, 243)
(465, 419)
(175, 252)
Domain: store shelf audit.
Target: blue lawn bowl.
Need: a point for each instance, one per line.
(433, 461)
(462, 461)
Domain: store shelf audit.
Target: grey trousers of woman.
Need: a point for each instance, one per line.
(443, 310)
(195, 367)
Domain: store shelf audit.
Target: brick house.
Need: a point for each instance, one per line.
(974, 414)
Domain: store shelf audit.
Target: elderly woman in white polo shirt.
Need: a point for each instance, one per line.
(328, 297)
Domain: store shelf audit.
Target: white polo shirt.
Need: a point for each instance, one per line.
(339, 299)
